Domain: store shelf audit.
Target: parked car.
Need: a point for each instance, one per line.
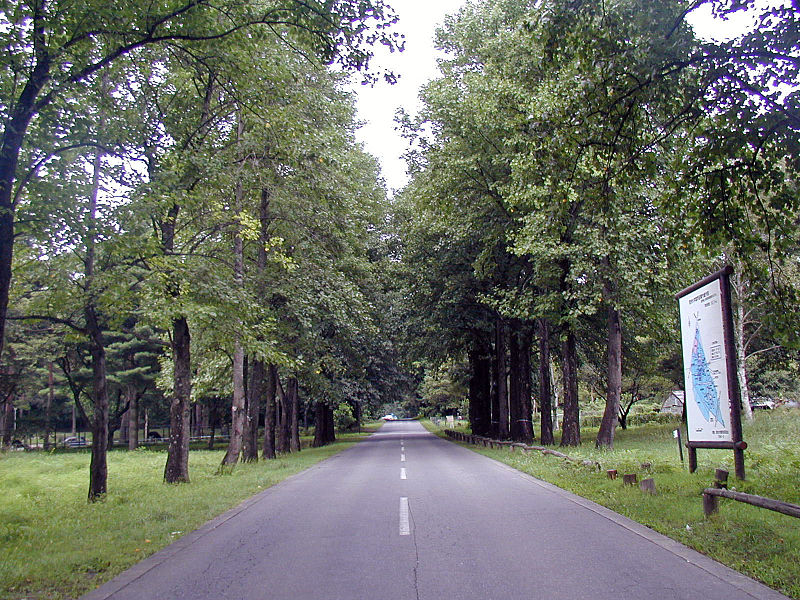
(762, 404)
(75, 442)
(389, 417)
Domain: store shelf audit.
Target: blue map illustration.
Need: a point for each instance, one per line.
(705, 392)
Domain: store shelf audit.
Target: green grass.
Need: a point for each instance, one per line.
(54, 544)
(760, 543)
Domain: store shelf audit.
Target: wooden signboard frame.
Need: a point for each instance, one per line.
(735, 443)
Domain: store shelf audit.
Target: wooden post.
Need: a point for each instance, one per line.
(629, 479)
(612, 473)
(692, 459)
(710, 504)
(648, 485)
(721, 479)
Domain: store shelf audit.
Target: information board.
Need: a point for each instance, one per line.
(708, 400)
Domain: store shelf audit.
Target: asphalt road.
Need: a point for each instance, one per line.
(405, 515)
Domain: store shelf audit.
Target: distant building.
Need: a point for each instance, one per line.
(674, 403)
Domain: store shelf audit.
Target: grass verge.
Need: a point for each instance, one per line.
(759, 543)
(55, 545)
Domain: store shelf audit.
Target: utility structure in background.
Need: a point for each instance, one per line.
(713, 411)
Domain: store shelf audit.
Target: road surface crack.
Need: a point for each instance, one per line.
(416, 550)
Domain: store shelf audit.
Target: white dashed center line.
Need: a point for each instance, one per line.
(402, 458)
(405, 527)
(403, 473)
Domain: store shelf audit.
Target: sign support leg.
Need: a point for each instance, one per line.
(738, 461)
(692, 459)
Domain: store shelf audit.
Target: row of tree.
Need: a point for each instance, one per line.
(575, 166)
(182, 178)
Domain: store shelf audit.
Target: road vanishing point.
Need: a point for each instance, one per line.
(405, 515)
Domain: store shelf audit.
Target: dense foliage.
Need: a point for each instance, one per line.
(575, 166)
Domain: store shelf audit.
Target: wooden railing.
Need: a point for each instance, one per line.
(711, 498)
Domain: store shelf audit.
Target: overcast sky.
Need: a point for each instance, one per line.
(416, 65)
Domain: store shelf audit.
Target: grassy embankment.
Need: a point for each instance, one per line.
(54, 544)
(760, 543)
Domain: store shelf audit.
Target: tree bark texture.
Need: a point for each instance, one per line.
(177, 467)
(293, 393)
(494, 399)
(608, 426)
(480, 389)
(545, 384)
(330, 425)
(268, 448)
(740, 285)
(323, 425)
(50, 397)
(20, 113)
(255, 390)
(238, 412)
(282, 417)
(520, 397)
(501, 370)
(98, 468)
(571, 432)
(133, 418)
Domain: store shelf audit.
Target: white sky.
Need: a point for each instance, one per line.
(416, 65)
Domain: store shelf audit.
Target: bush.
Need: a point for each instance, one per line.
(637, 419)
(343, 416)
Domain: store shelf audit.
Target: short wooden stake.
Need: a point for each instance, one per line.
(612, 473)
(710, 504)
(721, 479)
(629, 479)
(648, 485)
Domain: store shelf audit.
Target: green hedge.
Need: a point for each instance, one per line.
(637, 419)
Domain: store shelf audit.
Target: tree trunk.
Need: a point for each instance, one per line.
(49, 408)
(479, 388)
(282, 417)
(238, 414)
(133, 418)
(294, 422)
(20, 113)
(556, 394)
(740, 285)
(571, 432)
(545, 384)
(254, 392)
(268, 449)
(494, 398)
(608, 426)
(5, 428)
(522, 429)
(320, 425)
(520, 405)
(177, 467)
(501, 362)
(330, 425)
(98, 468)
(514, 403)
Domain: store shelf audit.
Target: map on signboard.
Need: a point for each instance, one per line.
(705, 364)
(705, 391)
